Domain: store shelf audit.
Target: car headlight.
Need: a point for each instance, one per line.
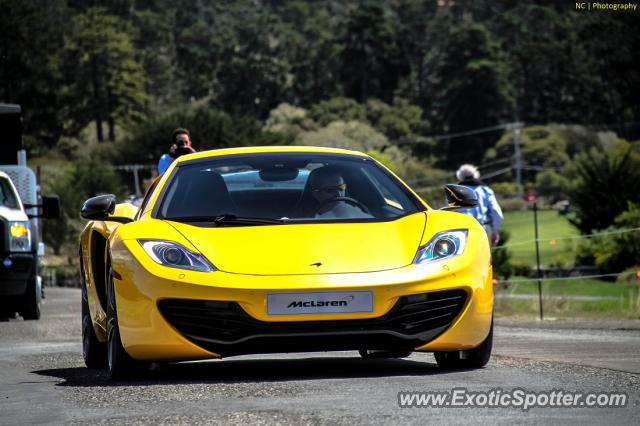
(443, 245)
(174, 255)
(20, 237)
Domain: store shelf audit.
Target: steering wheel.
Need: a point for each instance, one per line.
(347, 200)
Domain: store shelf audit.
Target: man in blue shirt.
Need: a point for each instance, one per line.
(181, 145)
(488, 211)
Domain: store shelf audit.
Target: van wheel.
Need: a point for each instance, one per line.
(32, 300)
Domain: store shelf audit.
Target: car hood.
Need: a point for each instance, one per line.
(12, 214)
(321, 248)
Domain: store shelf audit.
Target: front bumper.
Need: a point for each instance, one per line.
(16, 270)
(182, 315)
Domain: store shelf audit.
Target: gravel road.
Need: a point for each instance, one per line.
(43, 379)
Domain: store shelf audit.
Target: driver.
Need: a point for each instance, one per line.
(326, 185)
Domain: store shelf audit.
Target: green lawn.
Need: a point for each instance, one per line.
(566, 298)
(551, 228)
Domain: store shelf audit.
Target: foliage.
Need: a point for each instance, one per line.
(606, 182)
(31, 35)
(541, 148)
(370, 64)
(470, 88)
(210, 128)
(615, 252)
(552, 185)
(79, 182)
(104, 82)
(501, 257)
(399, 122)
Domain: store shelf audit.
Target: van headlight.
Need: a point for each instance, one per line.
(19, 237)
(443, 245)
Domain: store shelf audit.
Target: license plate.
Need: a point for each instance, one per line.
(324, 302)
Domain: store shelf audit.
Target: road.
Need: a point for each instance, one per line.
(43, 379)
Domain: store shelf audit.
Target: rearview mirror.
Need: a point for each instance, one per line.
(278, 174)
(459, 197)
(100, 208)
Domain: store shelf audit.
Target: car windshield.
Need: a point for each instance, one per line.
(7, 195)
(284, 187)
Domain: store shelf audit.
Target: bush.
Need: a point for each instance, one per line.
(501, 258)
(615, 252)
(210, 129)
(606, 182)
(513, 204)
(552, 185)
(74, 186)
(523, 270)
(504, 189)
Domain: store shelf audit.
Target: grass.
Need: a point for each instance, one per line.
(551, 227)
(619, 300)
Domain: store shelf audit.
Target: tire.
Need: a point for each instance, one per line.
(32, 300)
(120, 365)
(94, 352)
(472, 358)
(373, 354)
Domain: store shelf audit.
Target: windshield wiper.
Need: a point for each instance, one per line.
(229, 219)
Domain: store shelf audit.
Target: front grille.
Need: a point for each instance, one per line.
(3, 238)
(225, 328)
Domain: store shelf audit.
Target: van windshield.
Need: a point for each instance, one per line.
(7, 195)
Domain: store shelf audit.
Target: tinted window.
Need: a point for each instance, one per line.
(296, 187)
(7, 196)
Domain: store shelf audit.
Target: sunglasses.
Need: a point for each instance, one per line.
(341, 187)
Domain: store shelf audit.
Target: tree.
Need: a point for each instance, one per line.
(81, 181)
(31, 36)
(606, 182)
(210, 128)
(309, 35)
(470, 88)
(155, 48)
(105, 83)
(371, 60)
(542, 148)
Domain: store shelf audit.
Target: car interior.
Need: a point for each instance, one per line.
(269, 193)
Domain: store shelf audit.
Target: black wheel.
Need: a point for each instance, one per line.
(120, 365)
(94, 352)
(472, 358)
(32, 300)
(372, 354)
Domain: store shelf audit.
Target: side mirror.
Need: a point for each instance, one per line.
(459, 197)
(50, 207)
(100, 208)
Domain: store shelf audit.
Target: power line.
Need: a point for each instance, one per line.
(570, 237)
(578, 277)
(466, 133)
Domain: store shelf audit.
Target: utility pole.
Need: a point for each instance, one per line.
(518, 166)
(538, 271)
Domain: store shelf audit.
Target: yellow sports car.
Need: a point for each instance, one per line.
(283, 249)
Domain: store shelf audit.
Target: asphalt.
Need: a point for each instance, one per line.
(43, 379)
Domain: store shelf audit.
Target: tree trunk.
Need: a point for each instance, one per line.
(112, 132)
(99, 134)
(96, 99)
